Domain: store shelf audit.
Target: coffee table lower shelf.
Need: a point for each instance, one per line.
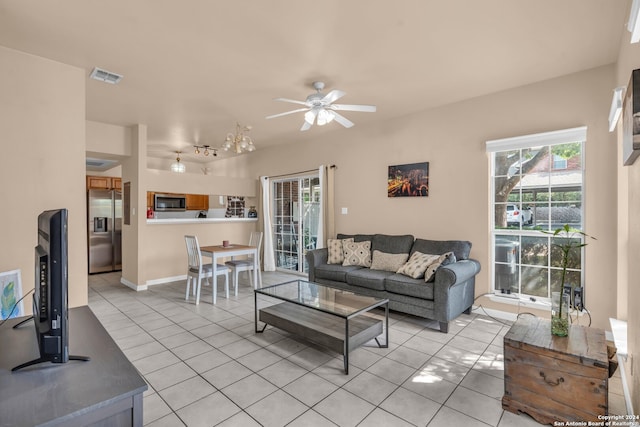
(336, 333)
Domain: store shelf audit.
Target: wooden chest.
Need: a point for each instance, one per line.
(555, 378)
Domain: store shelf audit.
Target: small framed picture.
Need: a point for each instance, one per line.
(410, 180)
(10, 295)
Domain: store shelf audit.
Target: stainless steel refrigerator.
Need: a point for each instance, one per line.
(104, 209)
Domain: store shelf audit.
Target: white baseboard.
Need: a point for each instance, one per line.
(164, 280)
(153, 282)
(132, 285)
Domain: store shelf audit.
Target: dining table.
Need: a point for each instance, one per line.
(232, 250)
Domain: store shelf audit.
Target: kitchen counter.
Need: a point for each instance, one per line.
(154, 221)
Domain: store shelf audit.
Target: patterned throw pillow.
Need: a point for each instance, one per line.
(387, 262)
(357, 253)
(417, 265)
(444, 259)
(336, 255)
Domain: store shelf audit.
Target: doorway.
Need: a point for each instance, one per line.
(296, 215)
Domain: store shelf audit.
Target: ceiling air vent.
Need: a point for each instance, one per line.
(105, 76)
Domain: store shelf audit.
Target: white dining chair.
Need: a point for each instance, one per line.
(197, 270)
(239, 265)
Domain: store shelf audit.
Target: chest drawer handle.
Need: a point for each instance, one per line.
(553, 383)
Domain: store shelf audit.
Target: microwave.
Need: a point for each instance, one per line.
(169, 202)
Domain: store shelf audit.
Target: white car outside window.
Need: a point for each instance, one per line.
(515, 215)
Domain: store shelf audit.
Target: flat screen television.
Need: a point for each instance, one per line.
(50, 298)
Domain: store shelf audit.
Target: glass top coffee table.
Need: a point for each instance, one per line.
(339, 320)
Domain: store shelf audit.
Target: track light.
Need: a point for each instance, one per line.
(206, 150)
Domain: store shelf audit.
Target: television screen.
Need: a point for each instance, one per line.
(50, 300)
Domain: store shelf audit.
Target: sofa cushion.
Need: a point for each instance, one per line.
(357, 253)
(387, 262)
(417, 265)
(460, 248)
(334, 247)
(404, 285)
(367, 278)
(444, 259)
(334, 272)
(392, 244)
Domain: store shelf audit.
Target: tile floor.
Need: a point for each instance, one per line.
(205, 366)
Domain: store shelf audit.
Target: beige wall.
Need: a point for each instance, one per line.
(629, 231)
(42, 117)
(452, 140)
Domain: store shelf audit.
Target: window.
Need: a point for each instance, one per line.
(537, 185)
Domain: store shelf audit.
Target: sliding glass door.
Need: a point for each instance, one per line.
(296, 211)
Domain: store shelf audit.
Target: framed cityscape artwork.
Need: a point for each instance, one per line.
(631, 120)
(410, 180)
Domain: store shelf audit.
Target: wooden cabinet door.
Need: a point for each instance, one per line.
(150, 199)
(98, 183)
(116, 183)
(197, 202)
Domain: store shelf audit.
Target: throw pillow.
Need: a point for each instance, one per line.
(336, 254)
(417, 265)
(387, 262)
(444, 259)
(357, 253)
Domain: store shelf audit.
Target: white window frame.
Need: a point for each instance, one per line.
(578, 134)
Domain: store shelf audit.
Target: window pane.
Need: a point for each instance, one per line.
(507, 254)
(535, 250)
(535, 281)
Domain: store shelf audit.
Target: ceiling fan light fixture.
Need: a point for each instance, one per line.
(320, 108)
(310, 116)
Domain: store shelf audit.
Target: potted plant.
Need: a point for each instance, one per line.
(567, 239)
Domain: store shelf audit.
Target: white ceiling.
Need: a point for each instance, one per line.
(192, 69)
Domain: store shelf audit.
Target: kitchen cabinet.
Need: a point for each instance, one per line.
(197, 202)
(98, 183)
(104, 183)
(150, 199)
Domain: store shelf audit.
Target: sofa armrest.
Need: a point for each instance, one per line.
(315, 258)
(457, 272)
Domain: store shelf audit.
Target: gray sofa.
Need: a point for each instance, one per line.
(444, 299)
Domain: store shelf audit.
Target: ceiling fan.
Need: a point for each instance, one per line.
(320, 108)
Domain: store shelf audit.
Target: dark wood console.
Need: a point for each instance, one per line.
(105, 391)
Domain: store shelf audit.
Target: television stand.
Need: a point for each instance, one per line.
(17, 325)
(106, 392)
(44, 359)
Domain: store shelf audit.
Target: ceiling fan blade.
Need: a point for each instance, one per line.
(293, 101)
(287, 113)
(305, 126)
(333, 96)
(343, 120)
(348, 107)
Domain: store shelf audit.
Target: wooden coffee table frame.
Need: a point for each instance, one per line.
(338, 332)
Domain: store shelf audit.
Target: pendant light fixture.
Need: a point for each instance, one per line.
(176, 166)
